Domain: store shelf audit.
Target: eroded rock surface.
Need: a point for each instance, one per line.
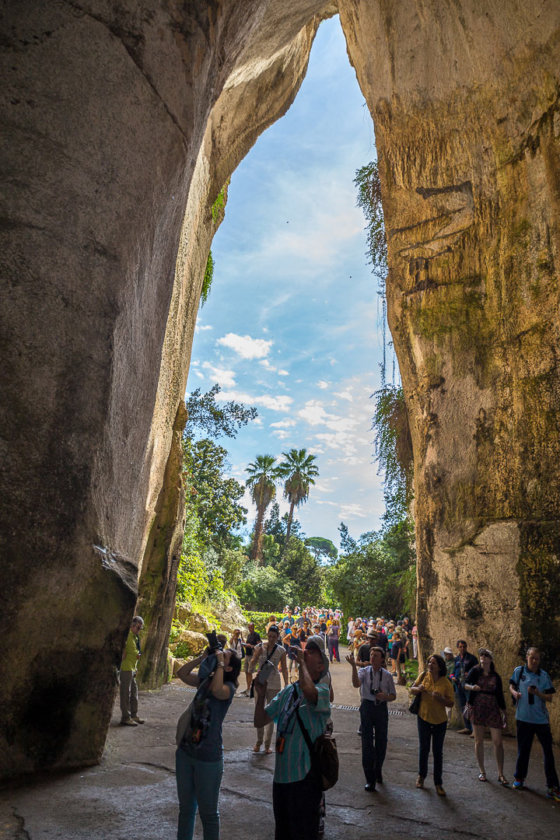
(123, 122)
(465, 100)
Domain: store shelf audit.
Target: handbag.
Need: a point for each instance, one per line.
(324, 756)
(468, 711)
(414, 707)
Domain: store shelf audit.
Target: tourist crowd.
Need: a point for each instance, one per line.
(306, 642)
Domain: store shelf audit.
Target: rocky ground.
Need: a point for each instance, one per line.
(132, 792)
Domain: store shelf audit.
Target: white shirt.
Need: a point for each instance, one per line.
(380, 679)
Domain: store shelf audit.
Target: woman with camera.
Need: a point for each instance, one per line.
(199, 757)
(436, 696)
(270, 656)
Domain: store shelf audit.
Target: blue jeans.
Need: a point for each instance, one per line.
(198, 786)
(434, 732)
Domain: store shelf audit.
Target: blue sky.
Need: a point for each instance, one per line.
(292, 322)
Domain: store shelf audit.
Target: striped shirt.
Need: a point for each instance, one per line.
(294, 763)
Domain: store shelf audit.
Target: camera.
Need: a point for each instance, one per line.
(213, 643)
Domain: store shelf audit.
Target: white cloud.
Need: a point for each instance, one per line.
(283, 424)
(353, 511)
(278, 403)
(282, 372)
(245, 346)
(281, 434)
(322, 384)
(225, 378)
(346, 443)
(344, 395)
(313, 413)
(203, 327)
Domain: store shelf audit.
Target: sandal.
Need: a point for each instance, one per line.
(503, 781)
(482, 777)
(257, 748)
(268, 751)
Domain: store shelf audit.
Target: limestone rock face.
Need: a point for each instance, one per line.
(465, 103)
(123, 122)
(112, 114)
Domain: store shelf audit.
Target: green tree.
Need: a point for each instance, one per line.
(264, 588)
(298, 471)
(263, 474)
(208, 419)
(381, 562)
(214, 496)
(322, 549)
(300, 567)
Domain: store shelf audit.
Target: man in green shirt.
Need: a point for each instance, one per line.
(128, 686)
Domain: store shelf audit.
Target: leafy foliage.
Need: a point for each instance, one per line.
(369, 200)
(298, 471)
(213, 557)
(263, 474)
(208, 419)
(322, 549)
(208, 277)
(263, 587)
(214, 497)
(301, 568)
(259, 619)
(373, 577)
(393, 450)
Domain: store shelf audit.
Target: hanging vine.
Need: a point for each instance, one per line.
(393, 444)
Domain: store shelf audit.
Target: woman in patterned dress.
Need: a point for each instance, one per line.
(486, 696)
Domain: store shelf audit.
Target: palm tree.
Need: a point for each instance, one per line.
(298, 470)
(262, 484)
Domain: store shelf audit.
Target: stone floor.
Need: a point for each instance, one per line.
(131, 794)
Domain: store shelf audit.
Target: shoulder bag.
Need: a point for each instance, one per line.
(324, 757)
(414, 707)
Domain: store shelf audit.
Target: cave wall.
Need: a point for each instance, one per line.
(122, 124)
(465, 101)
(112, 125)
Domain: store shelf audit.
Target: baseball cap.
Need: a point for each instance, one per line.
(447, 650)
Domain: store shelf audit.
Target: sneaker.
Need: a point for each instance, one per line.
(137, 719)
(517, 785)
(128, 722)
(553, 793)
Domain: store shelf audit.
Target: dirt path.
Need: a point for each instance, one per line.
(131, 794)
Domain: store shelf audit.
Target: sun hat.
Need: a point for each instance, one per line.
(318, 643)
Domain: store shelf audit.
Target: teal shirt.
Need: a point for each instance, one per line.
(294, 763)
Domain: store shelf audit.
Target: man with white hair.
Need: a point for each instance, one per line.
(127, 676)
